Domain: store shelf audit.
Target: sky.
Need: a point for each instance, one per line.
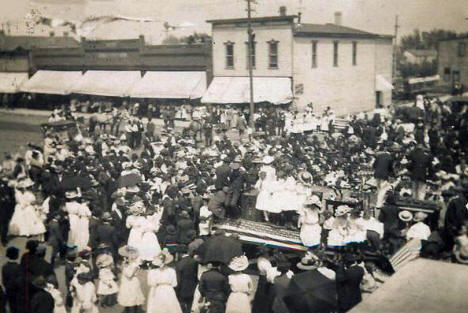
(377, 16)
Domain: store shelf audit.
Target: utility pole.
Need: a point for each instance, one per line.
(395, 48)
(250, 43)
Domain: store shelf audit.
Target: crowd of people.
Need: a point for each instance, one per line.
(115, 203)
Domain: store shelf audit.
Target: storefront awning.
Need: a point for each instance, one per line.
(276, 90)
(170, 85)
(10, 82)
(381, 84)
(52, 82)
(107, 83)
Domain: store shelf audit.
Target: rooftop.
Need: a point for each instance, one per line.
(11, 43)
(279, 18)
(423, 52)
(333, 30)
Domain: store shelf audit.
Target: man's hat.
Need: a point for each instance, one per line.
(12, 253)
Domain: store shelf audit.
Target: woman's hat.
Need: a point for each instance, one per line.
(405, 216)
(72, 194)
(106, 216)
(342, 210)
(313, 200)
(309, 262)
(305, 177)
(25, 183)
(128, 252)
(104, 260)
(419, 216)
(163, 258)
(268, 159)
(239, 264)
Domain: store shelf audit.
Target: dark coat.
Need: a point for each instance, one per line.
(383, 165)
(216, 204)
(40, 267)
(187, 279)
(278, 291)
(106, 233)
(348, 287)
(419, 165)
(55, 236)
(456, 215)
(42, 302)
(389, 217)
(11, 274)
(214, 286)
(183, 226)
(222, 176)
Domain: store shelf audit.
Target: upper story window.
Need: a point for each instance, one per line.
(229, 54)
(335, 53)
(273, 54)
(461, 49)
(253, 58)
(354, 52)
(314, 53)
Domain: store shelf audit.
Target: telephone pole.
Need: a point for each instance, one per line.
(250, 43)
(395, 48)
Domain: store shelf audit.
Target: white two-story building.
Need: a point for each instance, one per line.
(329, 65)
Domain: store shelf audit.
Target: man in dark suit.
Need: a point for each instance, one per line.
(55, 237)
(237, 182)
(217, 203)
(348, 279)
(222, 174)
(419, 166)
(39, 266)
(456, 216)
(184, 226)
(11, 278)
(106, 233)
(187, 279)
(7, 207)
(383, 169)
(214, 287)
(41, 301)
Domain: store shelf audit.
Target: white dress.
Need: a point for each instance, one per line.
(310, 228)
(143, 235)
(26, 219)
(107, 285)
(267, 187)
(58, 299)
(78, 215)
(130, 293)
(162, 297)
(241, 290)
(85, 299)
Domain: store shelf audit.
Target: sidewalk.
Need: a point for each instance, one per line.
(46, 113)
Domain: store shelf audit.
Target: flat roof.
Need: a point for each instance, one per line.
(279, 18)
(333, 30)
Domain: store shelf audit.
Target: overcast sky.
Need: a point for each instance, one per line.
(376, 16)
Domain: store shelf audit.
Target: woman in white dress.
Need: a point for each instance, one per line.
(241, 287)
(266, 186)
(309, 222)
(143, 235)
(26, 219)
(59, 306)
(162, 281)
(85, 295)
(130, 295)
(78, 214)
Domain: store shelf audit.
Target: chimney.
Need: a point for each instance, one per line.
(338, 16)
(282, 10)
(51, 34)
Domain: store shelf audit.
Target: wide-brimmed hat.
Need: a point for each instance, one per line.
(305, 177)
(405, 216)
(163, 258)
(419, 216)
(24, 183)
(268, 159)
(106, 216)
(72, 194)
(239, 263)
(313, 200)
(460, 256)
(342, 210)
(104, 260)
(128, 252)
(309, 262)
(235, 166)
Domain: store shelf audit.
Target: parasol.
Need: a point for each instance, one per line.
(311, 292)
(220, 248)
(129, 180)
(73, 182)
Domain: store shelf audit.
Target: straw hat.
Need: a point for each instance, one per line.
(309, 262)
(72, 194)
(342, 210)
(104, 260)
(405, 216)
(305, 177)
(163, 258)
(239, 264)
(25, 183)
(128, 252)
(419, 216)
(268, 159)
(313, 200)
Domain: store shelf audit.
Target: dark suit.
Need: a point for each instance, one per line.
(40, 267)
(11, 280)
(278, 291)
(42, 302)
(216, 204)
(383, 165)
(348, 287)
(456, 215)
(420, 164)
(107, 234)
(222, 176)
(55, 238)
(187, 280)
(183, 226)
(214, 286)
(7, 207)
